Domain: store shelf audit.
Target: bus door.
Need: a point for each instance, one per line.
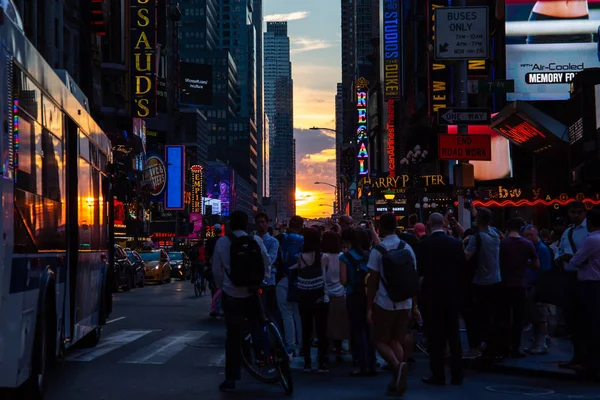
(72, 159)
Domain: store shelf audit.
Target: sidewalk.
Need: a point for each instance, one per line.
(559, 350)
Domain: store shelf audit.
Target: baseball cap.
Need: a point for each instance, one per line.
(217, 227)
(419, 229)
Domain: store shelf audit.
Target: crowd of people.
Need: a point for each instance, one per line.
(352, 283)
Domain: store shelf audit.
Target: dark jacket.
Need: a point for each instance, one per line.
(441, 261)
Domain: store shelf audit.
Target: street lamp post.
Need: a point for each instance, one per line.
(335, 192)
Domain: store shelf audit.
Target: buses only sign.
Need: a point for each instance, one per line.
(465, 147)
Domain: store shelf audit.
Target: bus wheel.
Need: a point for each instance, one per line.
(92, 338)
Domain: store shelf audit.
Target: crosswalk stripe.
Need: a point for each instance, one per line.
(112, 342)
(217, 361)
(161, 351)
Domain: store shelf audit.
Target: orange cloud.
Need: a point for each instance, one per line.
(314, 105)
(315, 200)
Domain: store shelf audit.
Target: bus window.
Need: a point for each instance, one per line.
(86, 205)
(53, 186)
(53, 118)
(24, 156)
(28, 95)
(84, 146)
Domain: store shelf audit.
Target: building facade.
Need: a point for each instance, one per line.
(278, 99)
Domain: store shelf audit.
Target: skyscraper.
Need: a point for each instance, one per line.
(278, 100)
(237, 34)
(349, 67)
(261, 124)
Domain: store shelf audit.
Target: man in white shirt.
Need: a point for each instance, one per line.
(390, 320)
(239, 303)
(570, 243)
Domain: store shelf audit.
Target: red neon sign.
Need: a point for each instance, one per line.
(391, 149)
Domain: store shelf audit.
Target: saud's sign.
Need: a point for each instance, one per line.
(143, 63)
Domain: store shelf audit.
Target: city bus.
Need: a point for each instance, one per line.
(55, 215)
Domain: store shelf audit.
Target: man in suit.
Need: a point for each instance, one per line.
(442, 261)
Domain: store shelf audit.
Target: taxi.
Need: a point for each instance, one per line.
(157, 265)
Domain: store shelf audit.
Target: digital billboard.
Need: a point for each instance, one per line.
(218, 186)
(175, 191)
(143, 60)
(547, 43)
(500, 166)
(195, 84)
(391, 48)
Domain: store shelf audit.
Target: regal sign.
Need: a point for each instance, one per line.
(362, 133)
(143, 60)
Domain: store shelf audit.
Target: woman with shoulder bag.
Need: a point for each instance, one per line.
(307, 286)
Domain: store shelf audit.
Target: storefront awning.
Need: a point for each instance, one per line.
(529, 128)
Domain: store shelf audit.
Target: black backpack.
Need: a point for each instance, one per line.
(360, 274)
(246, 267)
(398, 274)
(307, 284)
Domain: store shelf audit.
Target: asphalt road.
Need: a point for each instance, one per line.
(161, 344)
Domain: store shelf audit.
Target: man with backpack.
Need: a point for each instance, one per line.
(291, 245)
(240, 264)
(391, 298)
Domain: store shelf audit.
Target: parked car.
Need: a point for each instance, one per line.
(181, 265)
(122, 271)
(139, 268)
(158, 265)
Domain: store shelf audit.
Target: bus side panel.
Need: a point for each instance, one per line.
(89, 275)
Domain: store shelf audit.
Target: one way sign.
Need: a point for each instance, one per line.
(464, 116)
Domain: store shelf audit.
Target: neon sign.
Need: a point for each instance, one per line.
(362, 135)
(196, 195)
(391, 149)
(391, 48)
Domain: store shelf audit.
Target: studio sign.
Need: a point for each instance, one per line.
(143, 60)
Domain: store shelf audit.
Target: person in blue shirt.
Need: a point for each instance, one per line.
(353, 274)
(540, 313)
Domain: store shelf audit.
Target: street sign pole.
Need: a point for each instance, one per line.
(464, 215)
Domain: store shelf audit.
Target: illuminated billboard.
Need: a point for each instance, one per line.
(175, 191)
(218, 186)
(547, 44)
(143, 60)
(362, 133)
(391, 48)
(500, 166)
(195, 83)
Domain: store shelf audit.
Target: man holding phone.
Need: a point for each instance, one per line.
(570, 243)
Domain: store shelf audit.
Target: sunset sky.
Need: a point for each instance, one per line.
(314, 31)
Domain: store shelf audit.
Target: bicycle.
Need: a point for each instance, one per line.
(200, 283)
(274, 366)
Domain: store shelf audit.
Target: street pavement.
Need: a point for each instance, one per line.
(161, 344)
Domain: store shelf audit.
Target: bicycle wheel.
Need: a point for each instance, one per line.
(265, 372)
(281, 359)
